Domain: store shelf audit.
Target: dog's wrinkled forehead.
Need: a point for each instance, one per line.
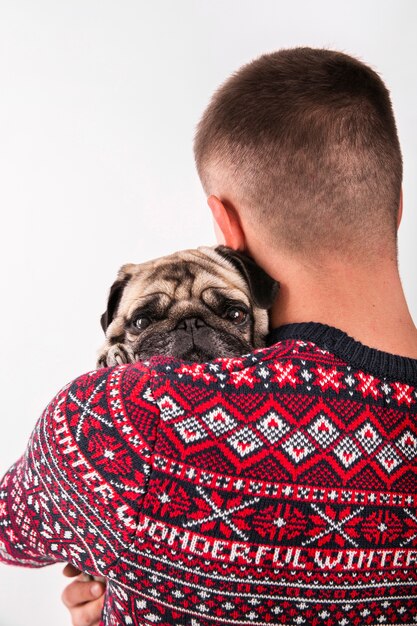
(183, 281)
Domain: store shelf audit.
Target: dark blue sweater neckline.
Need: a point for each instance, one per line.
(380, 364)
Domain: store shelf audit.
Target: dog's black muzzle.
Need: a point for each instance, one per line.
(193, 339)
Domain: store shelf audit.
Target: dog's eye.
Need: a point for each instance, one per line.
(141, 322)
(236, 315)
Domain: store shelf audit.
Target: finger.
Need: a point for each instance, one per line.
(69, 570)
(79, 592)
(87, 615)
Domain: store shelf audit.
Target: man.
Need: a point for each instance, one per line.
(280, 487)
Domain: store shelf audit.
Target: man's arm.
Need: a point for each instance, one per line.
(75, 494)
(18, 545)
(21, 505)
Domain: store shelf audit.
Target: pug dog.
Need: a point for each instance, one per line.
(195, 305)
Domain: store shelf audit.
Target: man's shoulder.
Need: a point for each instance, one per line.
(100, 420)
(249, 370)
(103, 386)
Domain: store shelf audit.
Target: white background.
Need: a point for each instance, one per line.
(98, 104)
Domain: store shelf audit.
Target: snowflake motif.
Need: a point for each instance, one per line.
(109, 453)
(306, 375)
(403, 394)
(263, 372)
(334, 526)
(282, 522)
(243, 377)
(329, 379)
(368, 385)
(386, 388)
(286, 374)
(230, 515)
(167, 498)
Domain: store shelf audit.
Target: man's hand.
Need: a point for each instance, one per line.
(83, 598)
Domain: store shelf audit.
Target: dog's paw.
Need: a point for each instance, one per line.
(116, 355)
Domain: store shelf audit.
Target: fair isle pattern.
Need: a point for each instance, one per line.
(275, 488)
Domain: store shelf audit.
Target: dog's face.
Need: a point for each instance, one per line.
(195, 305)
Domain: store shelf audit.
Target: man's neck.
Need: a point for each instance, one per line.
(369, 306)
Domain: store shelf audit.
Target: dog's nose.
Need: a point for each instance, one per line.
(191, 323)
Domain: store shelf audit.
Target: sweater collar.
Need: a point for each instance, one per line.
(378, 363)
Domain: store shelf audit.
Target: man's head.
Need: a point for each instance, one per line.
(301, 146)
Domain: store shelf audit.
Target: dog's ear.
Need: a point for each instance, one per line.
(116, 292)
(262, 287)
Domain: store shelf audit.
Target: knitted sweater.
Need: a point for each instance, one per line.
(275, 488)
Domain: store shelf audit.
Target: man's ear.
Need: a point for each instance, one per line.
(262, 287)
(115, 295)
(228, 228)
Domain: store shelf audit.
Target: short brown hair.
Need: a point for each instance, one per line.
(308, 138)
